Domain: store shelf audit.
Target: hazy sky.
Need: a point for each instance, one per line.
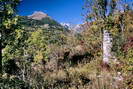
(68, 11)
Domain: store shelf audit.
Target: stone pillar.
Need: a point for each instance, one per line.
(107, 45)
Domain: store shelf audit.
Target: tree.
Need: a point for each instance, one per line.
(8, 24)
(105, 12)
(98, 11)
(37, 46)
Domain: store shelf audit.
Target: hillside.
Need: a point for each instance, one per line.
(39, 19)
(38, 52)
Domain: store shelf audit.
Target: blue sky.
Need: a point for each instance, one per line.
(68, 11)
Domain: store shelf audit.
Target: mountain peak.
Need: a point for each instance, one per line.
(38, 15)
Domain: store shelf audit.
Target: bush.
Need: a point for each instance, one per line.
(13, 83)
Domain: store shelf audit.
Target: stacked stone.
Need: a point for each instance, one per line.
(107, 46)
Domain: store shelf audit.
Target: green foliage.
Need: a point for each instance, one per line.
(32, 23)
(93, 39)
(128, 59)
(13, 83)
(8, 19)
(97, 9)
(15, 49)
(130, 56)
(55, 36)
(37, 45)
(39, 57)
(8, 24)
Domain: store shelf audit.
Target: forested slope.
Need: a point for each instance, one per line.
(39, 53)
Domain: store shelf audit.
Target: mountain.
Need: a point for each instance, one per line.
(38, 15)
(77, 28)
(40, 19)
(81, 27)
(52, 30)
(66, 25)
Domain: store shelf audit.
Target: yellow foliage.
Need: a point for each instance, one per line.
(39, 56)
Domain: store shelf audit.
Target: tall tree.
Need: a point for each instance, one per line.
(8, 23)
(101, 10)
(104, 12)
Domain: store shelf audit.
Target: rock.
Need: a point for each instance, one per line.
(107, 45)
(38, 15)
